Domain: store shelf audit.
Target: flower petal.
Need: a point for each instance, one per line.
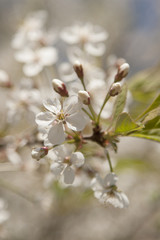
(77, 159)
(57, 168)
(110, 180)
(52, 105)
(77, 121)
(69, 175)
(47, 56)
(44, 118)
(32, 69)
(56, 134)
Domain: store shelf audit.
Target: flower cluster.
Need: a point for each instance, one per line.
(73, 104)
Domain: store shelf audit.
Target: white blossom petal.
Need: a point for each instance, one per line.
(44, 118)
(52, 105)
(95, 49)
(32, 69)
(77, 159)
(56, 134)
(57, 168)
(47, 56)
(69, 175)
(25, 56)
(110, 180)
(77, 121)
(68, 35)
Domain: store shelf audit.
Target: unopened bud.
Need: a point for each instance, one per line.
(39, 152)
(84, 97)
(60, 87)
(122, 72)
(78, 68)
(115, 89)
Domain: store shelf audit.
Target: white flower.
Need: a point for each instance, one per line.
(36, 60)
(105, 190)
(30, 31)
(65, 165)
(58, 116)
(92, 37)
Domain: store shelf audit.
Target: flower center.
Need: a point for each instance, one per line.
(60, 115)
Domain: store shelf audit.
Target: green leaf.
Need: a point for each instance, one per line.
(152, 115)
(145, 84)
(155, 104)
(125, 124)
(151, 135)
(119, 104)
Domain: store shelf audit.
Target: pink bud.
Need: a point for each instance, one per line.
(60, 87)
(122, 72)
(84, 97)
(39, 152)
(115, 89)
(78, 68)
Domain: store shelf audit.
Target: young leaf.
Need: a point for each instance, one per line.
(151, 135)
(119, 104)
(152, 115)
(125, 124)
(145, 84)
(155, 104)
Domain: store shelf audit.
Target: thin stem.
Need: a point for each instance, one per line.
(109, 160)
(87, 113)
(89, 106)
(104, 103)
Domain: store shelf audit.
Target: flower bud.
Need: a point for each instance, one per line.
(84, 97)
(60, 87)
(122, 72)
(78, 68)
(39, 152)
(115, 89)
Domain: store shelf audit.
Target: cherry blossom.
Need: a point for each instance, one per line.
(105, 190)
(60, 115)
(65, 163)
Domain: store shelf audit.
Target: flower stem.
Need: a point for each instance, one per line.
(89, 106)
(104, 103)
(109, 160)
(87, 113)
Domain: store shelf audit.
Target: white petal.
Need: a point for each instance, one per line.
(25, 56)
(56, 134)
(52, 105)
(123, 199)
(13, 156)
(69, 175)
(98, 34)
(71, 105)
(68, 35)
(57, 168)
(95, 49)
(77, 121)
(110, 180)
(47, 56)
(32, 69)
(44, 118)
(77, 159)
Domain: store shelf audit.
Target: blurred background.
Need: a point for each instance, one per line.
(134, 34)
